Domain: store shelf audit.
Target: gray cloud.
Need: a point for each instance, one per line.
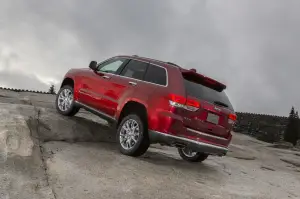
(251, 45)
(13, 79)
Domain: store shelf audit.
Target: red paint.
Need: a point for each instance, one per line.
(111, 95)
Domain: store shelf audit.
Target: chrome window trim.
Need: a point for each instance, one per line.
(167, 76)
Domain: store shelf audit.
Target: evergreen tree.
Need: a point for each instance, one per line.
(52, 89)
(292, 128)
(296, 115)
(298, 124)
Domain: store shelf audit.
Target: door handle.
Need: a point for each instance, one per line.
(132, 83)
(105, 77)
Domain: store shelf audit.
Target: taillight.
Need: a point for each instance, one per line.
(177, 99)
(182, 102)
(231, 118)
(193, 103)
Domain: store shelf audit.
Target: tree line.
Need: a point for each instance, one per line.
(292, 131)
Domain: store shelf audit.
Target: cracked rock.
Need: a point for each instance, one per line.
(49, 126)
(21, 166)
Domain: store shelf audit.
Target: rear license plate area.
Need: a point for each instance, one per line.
(212, 118)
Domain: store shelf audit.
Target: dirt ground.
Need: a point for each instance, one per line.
(45, 155)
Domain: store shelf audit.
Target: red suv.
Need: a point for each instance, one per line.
(152, 101)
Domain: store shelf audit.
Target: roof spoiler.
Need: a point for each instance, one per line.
(192, 75)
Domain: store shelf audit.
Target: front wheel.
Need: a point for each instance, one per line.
(191, 156)
(132, 136)
(65, 101)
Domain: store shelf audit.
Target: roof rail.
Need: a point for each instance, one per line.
(171, 63)
(163, 62)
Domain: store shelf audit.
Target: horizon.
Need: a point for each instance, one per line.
(47, 92)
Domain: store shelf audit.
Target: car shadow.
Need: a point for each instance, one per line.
(163, 159)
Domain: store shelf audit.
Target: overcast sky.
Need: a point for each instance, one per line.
(252, 46)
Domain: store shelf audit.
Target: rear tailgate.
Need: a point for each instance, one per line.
(215, 108)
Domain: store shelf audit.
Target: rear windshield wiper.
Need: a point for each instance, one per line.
(220, 103)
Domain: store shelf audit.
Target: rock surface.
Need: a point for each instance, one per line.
(283, 145)
(22, 171)
(45, 155)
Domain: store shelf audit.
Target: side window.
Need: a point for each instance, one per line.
(135, 69)
(111, 66)
(156, 75)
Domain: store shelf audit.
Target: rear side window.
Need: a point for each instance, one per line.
(135, 69)
(156, 75)
(205, 93)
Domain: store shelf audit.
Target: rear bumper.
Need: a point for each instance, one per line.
(172, 140)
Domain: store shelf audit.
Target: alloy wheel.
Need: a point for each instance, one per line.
(129, 134)
(65, 99)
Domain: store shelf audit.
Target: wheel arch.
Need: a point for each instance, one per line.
(133, 106)
(68, 81)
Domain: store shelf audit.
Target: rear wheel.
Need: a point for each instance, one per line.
(191, 156)
(132, 136)
(65, 101)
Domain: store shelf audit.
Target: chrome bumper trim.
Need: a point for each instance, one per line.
(198, 143)
(207, 135)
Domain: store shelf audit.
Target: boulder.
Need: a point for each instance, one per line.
(22, 171)
(15, 136)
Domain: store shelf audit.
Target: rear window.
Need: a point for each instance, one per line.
(205, 93)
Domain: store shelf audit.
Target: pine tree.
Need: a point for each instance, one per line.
(52, 89)
(292, 128)
(297, 124)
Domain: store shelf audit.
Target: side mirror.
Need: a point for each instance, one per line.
(93, 65)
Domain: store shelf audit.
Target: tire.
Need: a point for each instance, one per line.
(195, 157)
(140, 135)
(67, 110)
